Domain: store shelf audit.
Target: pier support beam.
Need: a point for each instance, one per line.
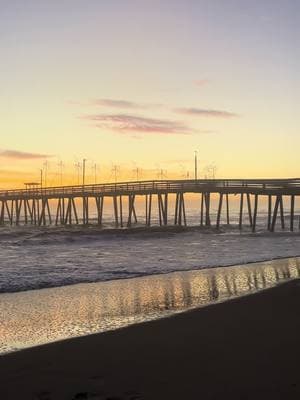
(131, 210)
(34, 211)
(176, 209)
(219, 211)
(18, 208)
(28, 218)
(121, 211)
(292, 213)
(99, 205)
(227, 209)
(48, 211)
(42, 213)
(207, 209)
(241, 211)
(25, 212)
(75, 211)
(85, 210)
(255, 212)
(115, 202)
(281, 212)
(180, 216)
(162, 200)
(71, 212)
(68, 216)
(148, 209)
(249, 209)
(183, 208)
(12, 211)
(60, 212)
(269, 211)
(202, 209)
(275, 213)
(2, 213)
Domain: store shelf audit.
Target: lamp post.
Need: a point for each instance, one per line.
(95, 173)
(45, 165)
(83, 171)
(196, 164)
(41, 177)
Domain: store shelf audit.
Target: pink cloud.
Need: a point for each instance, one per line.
(115, 103)
(205, 112)
(22, 155)
(129, 123)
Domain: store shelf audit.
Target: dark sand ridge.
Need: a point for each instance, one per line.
(246, 348)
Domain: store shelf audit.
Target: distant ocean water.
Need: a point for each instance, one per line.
(37, 257)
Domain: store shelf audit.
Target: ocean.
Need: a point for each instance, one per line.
(58, 282)
(41, 257)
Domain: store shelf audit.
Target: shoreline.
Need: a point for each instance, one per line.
(250, 349)
(143, 275)
(172, 315)
(37, 317)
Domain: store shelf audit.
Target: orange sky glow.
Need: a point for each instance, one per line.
(135, 87)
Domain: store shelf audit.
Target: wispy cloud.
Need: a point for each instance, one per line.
(201, 112)
(130, 123)
(116, 103)
(22, 155)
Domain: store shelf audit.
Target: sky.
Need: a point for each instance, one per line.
(137, 86)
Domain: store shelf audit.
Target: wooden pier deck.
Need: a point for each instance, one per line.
(31, 205)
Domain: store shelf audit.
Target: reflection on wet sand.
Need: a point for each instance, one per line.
(42, 316)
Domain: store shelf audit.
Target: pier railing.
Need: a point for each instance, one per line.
(288, 186)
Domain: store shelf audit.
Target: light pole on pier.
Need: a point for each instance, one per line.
(41, 177)
(95, 173)
(115, 171)
(137, 171)
(83, 171)
(46, 165)
(196, 164)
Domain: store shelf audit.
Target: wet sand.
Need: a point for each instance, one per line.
(245, 348)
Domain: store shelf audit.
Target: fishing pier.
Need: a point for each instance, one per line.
(67, 205)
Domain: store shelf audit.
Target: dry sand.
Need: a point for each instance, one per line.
(247, 348)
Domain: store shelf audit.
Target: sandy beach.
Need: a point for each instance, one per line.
(245, 348)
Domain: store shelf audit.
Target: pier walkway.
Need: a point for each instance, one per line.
(71, 203)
